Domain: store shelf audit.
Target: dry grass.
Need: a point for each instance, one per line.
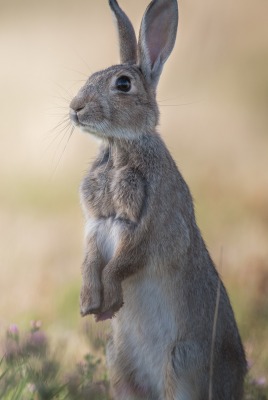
(213, 99)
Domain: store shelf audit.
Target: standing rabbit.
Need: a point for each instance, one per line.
(146, 264)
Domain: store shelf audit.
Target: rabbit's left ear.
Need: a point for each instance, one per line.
(127, 36)
(157, 37)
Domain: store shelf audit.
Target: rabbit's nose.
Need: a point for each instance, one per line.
(77, 104)
(74, 116)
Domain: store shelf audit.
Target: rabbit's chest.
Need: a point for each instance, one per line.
(96, 195)
(115, 194)
(112, 204)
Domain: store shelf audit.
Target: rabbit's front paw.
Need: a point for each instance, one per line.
(112, 297)
(90, 300)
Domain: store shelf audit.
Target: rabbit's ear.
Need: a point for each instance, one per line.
(127, 37)
(157, 37)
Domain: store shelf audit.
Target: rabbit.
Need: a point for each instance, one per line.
(146, 265)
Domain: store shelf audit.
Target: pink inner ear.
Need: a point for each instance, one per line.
(158, 31)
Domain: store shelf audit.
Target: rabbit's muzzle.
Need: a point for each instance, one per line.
(74, 116)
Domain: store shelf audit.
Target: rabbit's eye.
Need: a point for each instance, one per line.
(123, 84)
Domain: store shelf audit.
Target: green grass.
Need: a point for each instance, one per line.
(30, 369)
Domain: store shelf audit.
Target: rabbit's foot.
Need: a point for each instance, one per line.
(90, 300)
(112, 297)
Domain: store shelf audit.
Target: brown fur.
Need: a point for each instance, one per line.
(146, 262)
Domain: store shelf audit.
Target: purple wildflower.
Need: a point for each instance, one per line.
(12, 349)
(13, 330)
(261, 381)
(36, 343)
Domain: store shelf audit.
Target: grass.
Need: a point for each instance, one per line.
(31, 369)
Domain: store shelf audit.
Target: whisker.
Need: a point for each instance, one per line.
(65, 119)
(56, 131)
(84, 61)
(61, 132)
(56, 114)
(62, 98)
(57, 107)
(66, 91)
(179, 105)
(76, 71)
(169, 99)
(52, 131)
(68, 125)
(70, 130)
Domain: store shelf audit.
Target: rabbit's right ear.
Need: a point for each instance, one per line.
(157, 37)
(127, 36)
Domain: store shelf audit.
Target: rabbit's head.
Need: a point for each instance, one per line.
(120, 102)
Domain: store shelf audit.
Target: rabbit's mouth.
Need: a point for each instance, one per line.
(89, 128)
(74, 117)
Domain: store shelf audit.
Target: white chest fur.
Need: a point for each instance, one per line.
(107, 234)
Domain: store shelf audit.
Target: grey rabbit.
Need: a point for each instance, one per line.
(146, 265)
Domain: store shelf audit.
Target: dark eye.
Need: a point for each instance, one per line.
(123, 84)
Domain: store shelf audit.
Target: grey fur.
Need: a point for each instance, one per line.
(157, 37)
(146, 264)
(127, 37)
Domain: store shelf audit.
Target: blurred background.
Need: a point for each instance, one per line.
(213, 99)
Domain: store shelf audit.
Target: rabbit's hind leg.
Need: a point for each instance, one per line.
(123, 379)
(182, 375)
(123, 391)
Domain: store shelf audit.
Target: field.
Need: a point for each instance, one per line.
(213, 100)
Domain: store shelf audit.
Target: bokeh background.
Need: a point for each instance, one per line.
(213, 100)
